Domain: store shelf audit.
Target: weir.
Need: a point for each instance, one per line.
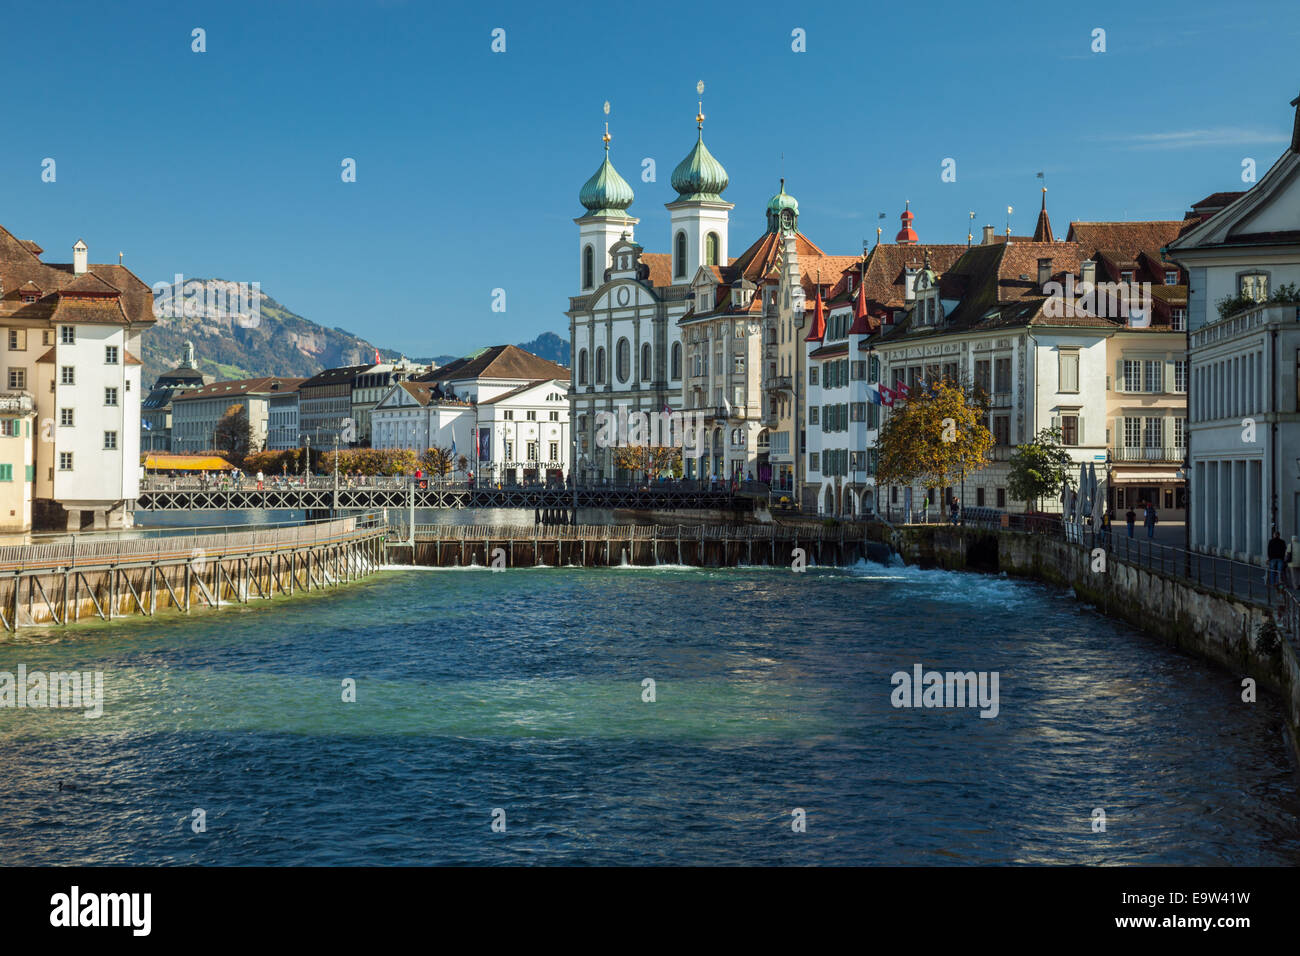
(712, 546)
(114, 576)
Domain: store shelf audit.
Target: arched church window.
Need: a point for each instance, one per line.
(646, 361)
(624, 367)
(711, 249)
(582, 366)
(677, 361)
(600, 366)
(679, 267)
(588, 267)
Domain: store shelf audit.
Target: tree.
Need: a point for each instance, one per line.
(234, 434)
(933, 438)
(1040, 468)
(439, 461)
(652, 460)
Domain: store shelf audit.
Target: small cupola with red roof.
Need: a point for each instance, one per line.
(907, 235)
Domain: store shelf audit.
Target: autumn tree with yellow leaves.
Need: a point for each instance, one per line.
(933, 438)
(650, 460)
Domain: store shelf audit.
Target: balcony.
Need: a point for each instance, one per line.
(778, 383)
(1172, 454)
(16, 403)
(1245, 323)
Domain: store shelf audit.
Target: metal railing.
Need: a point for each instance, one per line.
(1140, 453)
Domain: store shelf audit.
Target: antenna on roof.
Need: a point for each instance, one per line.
(119, 258)
(970, 230)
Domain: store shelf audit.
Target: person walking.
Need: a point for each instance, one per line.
(1149, 519)
(1277, 559)
(956, 508)
(260, 479)
(1131, 518)
(1105, 529)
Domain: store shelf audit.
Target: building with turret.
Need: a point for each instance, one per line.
(156, 409)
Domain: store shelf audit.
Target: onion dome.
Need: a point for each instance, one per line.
(906, 235)
(778, 204)
(699, 177)
(606, 193)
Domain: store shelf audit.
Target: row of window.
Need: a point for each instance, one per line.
(840, 461)
(623, 355)
(1232, 387)
(530, 415)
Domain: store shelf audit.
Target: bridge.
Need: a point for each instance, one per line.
(319, 496)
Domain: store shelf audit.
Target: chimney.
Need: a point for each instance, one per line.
(1044, 272)
(1088, 272)
(79, 258)
(988, 236)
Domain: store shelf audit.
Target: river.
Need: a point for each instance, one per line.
(519, 697)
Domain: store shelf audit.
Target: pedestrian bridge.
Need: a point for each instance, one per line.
(321, 495)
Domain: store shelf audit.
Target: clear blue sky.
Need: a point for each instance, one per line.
(227, 163)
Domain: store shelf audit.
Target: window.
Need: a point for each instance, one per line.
(554, 416)
(738, 364)
(65, 461)
(1001, 429)
(679, 256)
(110, 396)
(67, 375)
(1069, 371)
(110, 354)
(588, 267)
(1178, 319)
(1126, 276)
(68, 334)
(1132, 376)
(1180, 375)
(600, 366)
(13, 340)
(1254, 285)
(46, 337)
(555, 451)
(983, 375)
(1002, 375)
(979, 497)
(11, 427)
(1153, 433)
(647, 363)
(812, 375)
(65, 417)
(531, 415)
(624, 360)
(582, 366)
(510, 450)
(1180, 433)
(1002, 497)
(110, 441)
(508, 415)
(532, 451)
(17, 379)
(813, 464)
(812, 415)
(711, 249)
(677, 361)
(1132, 433)
(6, 472)
(1070, 430)
(1171, 277)
(1153, 374)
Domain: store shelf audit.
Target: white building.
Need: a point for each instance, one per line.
(71, 335)
(282, 431)
(504, 410)
(196, 413)
(1244, 352)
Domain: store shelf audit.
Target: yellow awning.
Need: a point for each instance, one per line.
(186, 463)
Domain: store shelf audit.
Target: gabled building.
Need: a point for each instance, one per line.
(72, 389)
(197, 412)
(156, 409)
(503, 409)
(1243, 258)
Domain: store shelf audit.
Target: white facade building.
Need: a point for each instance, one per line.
(1244, 389)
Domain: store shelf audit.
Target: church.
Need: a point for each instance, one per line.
(691, 330)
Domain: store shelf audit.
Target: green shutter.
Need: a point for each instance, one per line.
(31, 472)
(6, 472)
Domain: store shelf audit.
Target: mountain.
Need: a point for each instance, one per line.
(239, 333)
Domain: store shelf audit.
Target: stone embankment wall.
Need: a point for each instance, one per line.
(1239, 636)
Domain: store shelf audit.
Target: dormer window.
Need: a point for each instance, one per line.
(1171, 277)
(29, 297)
(1126, 276)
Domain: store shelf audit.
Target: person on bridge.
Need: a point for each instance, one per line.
(260, 479)
(1277, 559)
(1130, 517)
(1149, 519)
(956, 509)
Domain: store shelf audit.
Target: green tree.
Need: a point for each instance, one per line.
(1040, 468)
(234, 434)
(933, 438)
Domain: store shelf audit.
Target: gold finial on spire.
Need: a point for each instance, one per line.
(606, 138)
(699, 117)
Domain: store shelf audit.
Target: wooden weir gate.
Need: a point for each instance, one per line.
(611, 545)
(106, 577)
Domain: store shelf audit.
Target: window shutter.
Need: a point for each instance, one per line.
(1081, 431)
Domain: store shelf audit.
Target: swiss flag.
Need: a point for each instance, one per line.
(901, 389)
(886, 395)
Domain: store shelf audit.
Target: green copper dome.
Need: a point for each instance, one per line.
(606, 193)
(699, 176)
(778, 204)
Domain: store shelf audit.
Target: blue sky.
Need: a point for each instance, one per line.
(227, 163)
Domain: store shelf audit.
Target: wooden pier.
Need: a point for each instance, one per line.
(114, 576)
(615, 545)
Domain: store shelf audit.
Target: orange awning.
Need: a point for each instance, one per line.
(186, 463)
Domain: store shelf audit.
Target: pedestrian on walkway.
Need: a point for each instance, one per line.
(1277, 559)
(1149, 519)
(1105, 529)
(956, 508)
(260, 479)
(1131, 517)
